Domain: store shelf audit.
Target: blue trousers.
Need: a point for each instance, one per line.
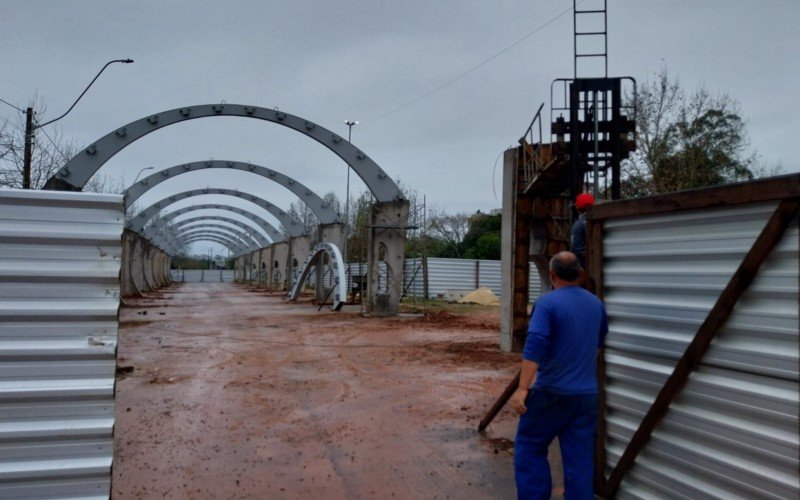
(571, 418)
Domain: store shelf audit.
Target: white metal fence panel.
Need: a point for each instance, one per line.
(732, 431)
(204, 275)
(59, 295)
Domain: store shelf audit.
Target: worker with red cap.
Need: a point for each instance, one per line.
(583, 202)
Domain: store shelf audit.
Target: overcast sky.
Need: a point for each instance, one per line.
(361, 59)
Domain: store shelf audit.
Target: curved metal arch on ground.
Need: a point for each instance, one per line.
(226, 243)
(238, 237)
(260, 238)
(290, 225)
(317, 205)
(271, 231)
(79, 169)
(189, 238)
(336, 262)
(242, 235)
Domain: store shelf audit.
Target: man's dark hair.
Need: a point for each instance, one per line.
(567, 267)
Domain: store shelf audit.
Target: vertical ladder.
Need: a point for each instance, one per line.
(587, 14)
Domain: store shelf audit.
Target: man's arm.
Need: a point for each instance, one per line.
(528, 373)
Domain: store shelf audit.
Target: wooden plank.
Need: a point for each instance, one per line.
(500, 403)
(773, 188)
(594, 283)
(770, 236)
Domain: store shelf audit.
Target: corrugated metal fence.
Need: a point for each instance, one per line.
(732, 431)
(202, 275)
(59, 295)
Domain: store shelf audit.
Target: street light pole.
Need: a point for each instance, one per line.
(30, 128)
(140, 173)
(349, 124)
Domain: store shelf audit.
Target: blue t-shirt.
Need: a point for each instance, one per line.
(567, 328)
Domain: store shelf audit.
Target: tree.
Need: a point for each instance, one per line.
(482, 240)
(685, 142)
(450, 229)
(50, 152)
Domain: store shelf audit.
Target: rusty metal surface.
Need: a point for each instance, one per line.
(59, 295)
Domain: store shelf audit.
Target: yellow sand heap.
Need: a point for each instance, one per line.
(482, 296)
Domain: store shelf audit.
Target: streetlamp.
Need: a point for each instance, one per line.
(140, 173)
(30, 128)
(349, 124)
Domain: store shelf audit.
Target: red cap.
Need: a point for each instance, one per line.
(584, 200)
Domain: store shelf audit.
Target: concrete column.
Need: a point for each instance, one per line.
(280, 259)
(136, 265)
(149, 254)
(299, 248)
(328, 233)
(263, 266)
(238, 274)
(514, 256)
(387, 237)
(127, 287)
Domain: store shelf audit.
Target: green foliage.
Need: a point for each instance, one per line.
(685, 142)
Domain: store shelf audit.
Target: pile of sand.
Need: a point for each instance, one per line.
(482, 296)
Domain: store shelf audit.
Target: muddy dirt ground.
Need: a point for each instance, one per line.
(224, 391)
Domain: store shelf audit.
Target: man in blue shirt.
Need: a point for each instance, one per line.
(568, 326)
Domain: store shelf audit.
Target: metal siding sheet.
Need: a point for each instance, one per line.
(59, 296)
(732, 431)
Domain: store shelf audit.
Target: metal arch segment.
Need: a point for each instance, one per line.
(82, 166)
(262, 240)
(191, 237)
(340, 295)
(237, 251)
(290, 226)
(220, 232)
(271, 231)
(246, 239)
(322, 210)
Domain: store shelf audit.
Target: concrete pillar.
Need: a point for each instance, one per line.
(328, 233)
(263, 266)
(514, 255)
(387, 238)
(127, 287)
(299, 248)
(278, 269)
(147, 260)
(136, 267)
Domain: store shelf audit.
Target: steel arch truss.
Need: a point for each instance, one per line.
(241, 238)
(317, 205)
(336, 263)
(275, 235)
(227, 239)
(291, 226)
(75, 174)
(260, 238)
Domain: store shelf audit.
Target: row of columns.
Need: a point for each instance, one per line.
(145, 267)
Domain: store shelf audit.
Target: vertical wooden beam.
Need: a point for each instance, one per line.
(594, 283)
(770, 236)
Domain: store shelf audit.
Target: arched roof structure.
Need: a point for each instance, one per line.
(242, 235)
(75, 174)
(291, 226)
(256, 234)
(317, 205)
(274, 234)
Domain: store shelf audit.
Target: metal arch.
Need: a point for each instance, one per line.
(170, 243)
(290, 225)
(242, 235)
(201, 234)
(237, 251)
(271, 231)
(75, 174)
(322, 210)
(337, 263)
(260, 238)
(221, 232)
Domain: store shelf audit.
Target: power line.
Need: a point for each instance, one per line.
(473, 68)
(55, 145)
(18, 109)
